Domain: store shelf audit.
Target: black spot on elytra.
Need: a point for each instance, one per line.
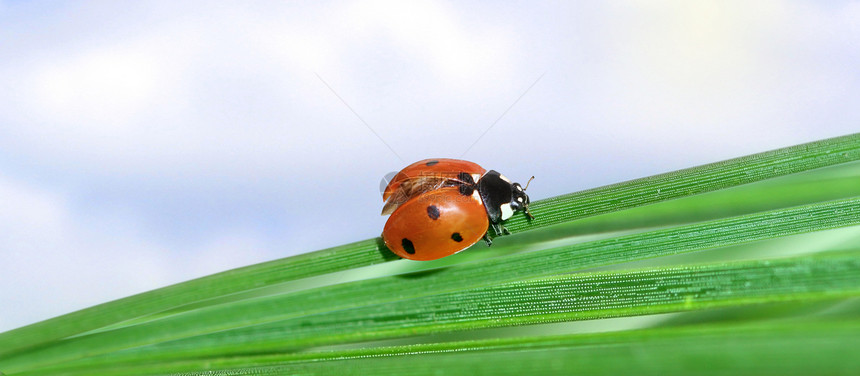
(466, 178)
(433, 212)
(407, 246)
(466, 183)
(456, 237)
(431, 163)
(466, 190)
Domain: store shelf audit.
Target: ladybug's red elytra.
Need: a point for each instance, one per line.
(442, 206)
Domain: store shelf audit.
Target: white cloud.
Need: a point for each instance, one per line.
(51, 265)
(731, 72)
(234, 87)
(434, 34)
(106, 86)
(56, 260)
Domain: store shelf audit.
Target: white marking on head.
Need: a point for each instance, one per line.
(507, 212)
(519, 188)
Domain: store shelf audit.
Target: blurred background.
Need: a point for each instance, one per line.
(148, 143)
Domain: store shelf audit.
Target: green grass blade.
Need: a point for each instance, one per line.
(662, 242)
(806, 347)
(691, 181)
(832, 183)
(250, 277)
(565, 298)
(779, 349)
(368, 252)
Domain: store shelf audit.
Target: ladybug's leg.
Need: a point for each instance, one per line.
(488, 239)
(498, 229)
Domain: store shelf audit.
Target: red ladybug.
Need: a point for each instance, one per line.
(440, 207)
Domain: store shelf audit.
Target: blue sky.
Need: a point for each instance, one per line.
(147, 143)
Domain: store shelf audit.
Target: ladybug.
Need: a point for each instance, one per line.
(442, 206)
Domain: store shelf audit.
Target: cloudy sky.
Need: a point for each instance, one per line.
(147, 143)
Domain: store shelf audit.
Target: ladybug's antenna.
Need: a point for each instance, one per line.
(529, 182)
(527, 211)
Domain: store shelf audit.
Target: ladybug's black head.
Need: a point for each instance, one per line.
(519, 198)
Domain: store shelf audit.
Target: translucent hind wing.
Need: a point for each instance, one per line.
(440, 168)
